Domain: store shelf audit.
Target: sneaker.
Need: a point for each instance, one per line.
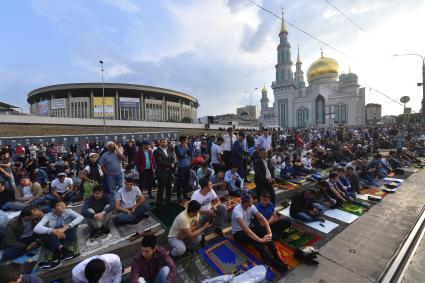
(67, 255)
(105, 230)
(94, 233)
(48, 264)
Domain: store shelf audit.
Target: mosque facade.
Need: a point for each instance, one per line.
(330, 98)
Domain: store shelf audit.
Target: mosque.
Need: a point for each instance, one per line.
(329, 99)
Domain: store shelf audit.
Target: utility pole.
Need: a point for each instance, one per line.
(103, 97)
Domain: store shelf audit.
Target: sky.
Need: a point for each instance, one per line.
(216, 50)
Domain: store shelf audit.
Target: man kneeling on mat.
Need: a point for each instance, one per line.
(241, 218)
(152, 263)
(58, 229)
(266, 208)
(304, 207)
(185, 232)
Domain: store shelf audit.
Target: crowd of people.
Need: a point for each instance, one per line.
(115, 181)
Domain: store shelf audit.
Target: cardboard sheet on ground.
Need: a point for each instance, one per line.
(341, 215)
(393, 179)
(327, 227)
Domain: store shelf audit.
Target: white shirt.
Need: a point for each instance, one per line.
(206, 200)
(112, 272)
(265, 142)
(61, 187)
(307, 162)
(246, 215)
(215, 150)
(227, 146)
(128, 198)
(276, 161)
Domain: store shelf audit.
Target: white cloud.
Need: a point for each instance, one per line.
(128, 6)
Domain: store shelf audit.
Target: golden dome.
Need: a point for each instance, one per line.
(323, 65)
(264, 89)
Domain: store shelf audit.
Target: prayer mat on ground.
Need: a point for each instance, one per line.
(341, 215)
(143, 225)
(28, 257)
(392, 184)
(249, 186)
(292, 186)
(89, 246)
(353, 208)
(250, 177)
(285, 253)
(295, 237)
(373, 192)
(298, 180)
(324, 227)
(230, 202)
(226, 257)
(47, 255)
(166, 214)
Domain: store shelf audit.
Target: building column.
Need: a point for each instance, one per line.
(142, 107)
(68, 105)
(181, 109)
(164, 109)
(91, 105)
(117, 115)
(50, 112)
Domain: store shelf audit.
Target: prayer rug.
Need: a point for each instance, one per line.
(353, 208)
(28, 257)
(89, 246)
(373, 192)
(166, 214)
(292, 186)
(324, 227)
(130, 229)
(295, 237)
(298, 180)
(285, 253)
(47, 255)
(249, 186)
(392, 184)
(226, 257)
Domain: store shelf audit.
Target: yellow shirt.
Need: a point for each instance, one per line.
(182, 221)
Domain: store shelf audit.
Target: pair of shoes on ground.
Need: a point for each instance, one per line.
(95, 233)
(58, 257)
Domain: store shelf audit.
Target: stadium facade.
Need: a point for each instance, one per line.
(121, 102)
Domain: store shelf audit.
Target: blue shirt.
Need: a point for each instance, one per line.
(112, 163)
(147, 160)
(266, 211)
(182, 156)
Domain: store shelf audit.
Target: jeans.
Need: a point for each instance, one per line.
(70, 197)
(305, 217)
(178, 247)
(14, 252)
(52, 243)
(94, 224)
(114, 183)
(162, 275)
(182, 184)
(219, 219)
(124, 218)
(13, 205)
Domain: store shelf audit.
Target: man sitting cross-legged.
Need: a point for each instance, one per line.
(185, 232)
(241, 219)
(304, 207)
(97, 211)
(152, 263)
(130, 203)
(104, 268)
(62, 189)
(20, 238)
(211, 208)
(58, 229)
(266, 208)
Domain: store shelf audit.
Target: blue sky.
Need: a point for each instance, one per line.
(212, 49)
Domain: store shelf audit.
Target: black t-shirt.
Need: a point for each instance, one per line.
(6, 195)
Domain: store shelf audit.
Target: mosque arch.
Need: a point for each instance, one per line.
(302, 117)
(340, 111)
(320, 110)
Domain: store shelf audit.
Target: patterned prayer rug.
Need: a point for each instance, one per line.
(295, 237)
(89, 246)
(128, 230)
(373, 192)
(353, 208)
(298, 180)
(166, 214)
(47, 255)
(226, 257)
(285, 253)
(28, 258)
(249, 186)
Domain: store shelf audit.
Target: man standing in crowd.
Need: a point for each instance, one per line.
(185, 233)
(20, 238)
(130, 204)
(265, 141)
(183, 174)
(264, 175)
(152, 263)
(216, 154)
(145, 164)
(105, 268)
(58, 229)
(62, 189)
(243, 234)
(97, 210)
(211, 208)
(238, 154)
(111, 164)
(229, 139)
(164, 170)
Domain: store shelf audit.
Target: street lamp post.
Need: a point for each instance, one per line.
(250, 99)
(103, 97)
(419, 84)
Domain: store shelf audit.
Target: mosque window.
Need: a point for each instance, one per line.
(337, 114)
(343, 113)
(320, 110)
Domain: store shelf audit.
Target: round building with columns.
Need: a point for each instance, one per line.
(120, 102)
